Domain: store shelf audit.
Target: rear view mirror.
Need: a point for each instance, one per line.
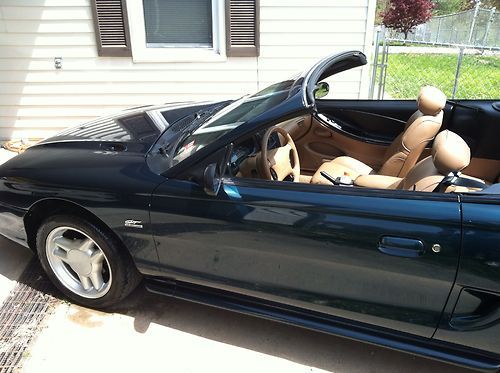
(321, 90)
(212, 180)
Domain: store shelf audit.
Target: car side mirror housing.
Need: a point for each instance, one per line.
(212, 180)
(212, 176)
(321, 90)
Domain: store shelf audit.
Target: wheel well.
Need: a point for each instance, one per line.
(44, 209)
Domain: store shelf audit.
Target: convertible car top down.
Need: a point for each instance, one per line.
(373, 220)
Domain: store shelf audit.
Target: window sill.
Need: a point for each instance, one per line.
(176, 55)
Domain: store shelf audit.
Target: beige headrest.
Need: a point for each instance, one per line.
(430, 100)
(450, 153)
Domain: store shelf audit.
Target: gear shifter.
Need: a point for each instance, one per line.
(340, 180)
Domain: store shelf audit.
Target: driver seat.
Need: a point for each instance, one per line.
(405, 150)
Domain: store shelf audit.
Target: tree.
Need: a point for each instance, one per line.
(484, 4)
(404, 15)
(449, 6)
(380, 7)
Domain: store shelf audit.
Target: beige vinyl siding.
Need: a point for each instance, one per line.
(36, 100)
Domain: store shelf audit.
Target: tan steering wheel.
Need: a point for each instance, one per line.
(277, 164)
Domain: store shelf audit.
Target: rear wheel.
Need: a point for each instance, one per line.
(85, 262)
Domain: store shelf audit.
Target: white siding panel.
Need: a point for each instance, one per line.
(122, 64)
(125, 76)
(60, 123)
(46, 3)
(46, 13)
(329, 13)
(39, 27)
(116, 99)
(324, 39)
(48, 51)
(47, 39)
(36, 100)
(315, 3)
(312, 51)
(312, 26)
(124, 88)
(58, 111)
(39, 132)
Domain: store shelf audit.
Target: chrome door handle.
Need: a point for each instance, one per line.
(400, 246)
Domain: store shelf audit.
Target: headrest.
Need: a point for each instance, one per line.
(450, 153)
(430, 100)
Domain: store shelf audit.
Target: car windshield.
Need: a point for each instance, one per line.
(229, 118)
(187, 135)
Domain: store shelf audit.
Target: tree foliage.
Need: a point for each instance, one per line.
(449, 6)
(442, 7)
(404, 15)
(454, 6)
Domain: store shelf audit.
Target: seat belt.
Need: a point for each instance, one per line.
(456, 180)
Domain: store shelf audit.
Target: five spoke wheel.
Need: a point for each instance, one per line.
(78, 262)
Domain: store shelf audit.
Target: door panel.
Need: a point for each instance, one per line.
(474, 319)
(371, 120)
(314, 247)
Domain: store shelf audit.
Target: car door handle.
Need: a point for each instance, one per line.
(399, 246)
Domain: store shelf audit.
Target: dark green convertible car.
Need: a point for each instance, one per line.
(373, 220)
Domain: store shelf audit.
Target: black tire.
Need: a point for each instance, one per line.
(125, 276)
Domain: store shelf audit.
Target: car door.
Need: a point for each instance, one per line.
(472, 317)
(387, 258)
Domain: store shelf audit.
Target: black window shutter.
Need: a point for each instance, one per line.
(242, 28)
(111, 28)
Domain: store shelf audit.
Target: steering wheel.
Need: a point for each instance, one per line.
(277, 164)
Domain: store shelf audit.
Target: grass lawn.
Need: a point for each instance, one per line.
(479, 75)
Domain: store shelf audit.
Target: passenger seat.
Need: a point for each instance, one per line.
(405, 150)
(450, 155)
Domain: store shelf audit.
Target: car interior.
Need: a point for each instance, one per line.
(434, 145)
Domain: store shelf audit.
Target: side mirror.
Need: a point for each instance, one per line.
(212, 176)
(321, 90)
(212, 180)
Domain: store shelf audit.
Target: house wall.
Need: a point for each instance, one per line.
(37, 100)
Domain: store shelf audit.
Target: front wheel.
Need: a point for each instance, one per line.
(85, 262)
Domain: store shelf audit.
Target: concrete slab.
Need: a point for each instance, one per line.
(13, 257)
(13, 260)
(152, 333)
(5, 155)
(80, 340)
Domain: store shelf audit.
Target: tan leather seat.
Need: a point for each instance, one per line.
(450, 154)
(405, 150)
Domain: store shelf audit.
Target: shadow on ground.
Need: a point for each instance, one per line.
(284, 341)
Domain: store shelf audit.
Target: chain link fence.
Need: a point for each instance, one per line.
(457, 74)
(458, 53)
(476, 27)
(461, 71)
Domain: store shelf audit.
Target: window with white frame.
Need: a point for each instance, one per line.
(176, 30)
(178, 23)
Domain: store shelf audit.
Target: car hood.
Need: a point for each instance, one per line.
(131, 130)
